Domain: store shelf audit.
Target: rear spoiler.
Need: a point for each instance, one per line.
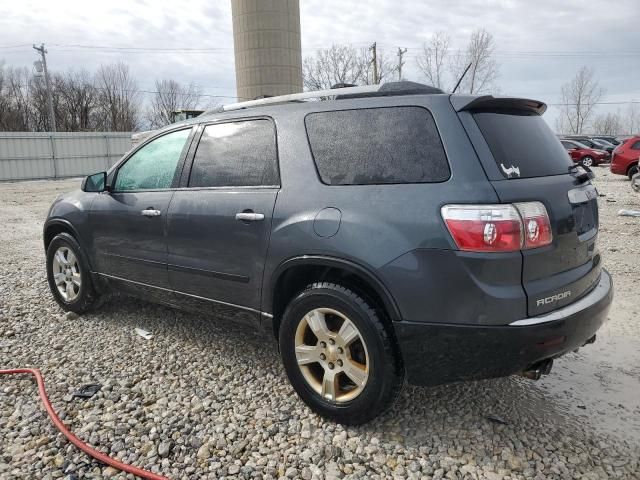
(490, 103)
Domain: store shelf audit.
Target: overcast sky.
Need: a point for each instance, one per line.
(540, 44)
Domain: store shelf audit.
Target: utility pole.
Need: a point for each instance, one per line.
(375, 63)
(52, 116)
(401, 52)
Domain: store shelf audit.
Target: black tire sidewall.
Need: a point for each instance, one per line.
(632, 171)
(86, 293)
(383, 371)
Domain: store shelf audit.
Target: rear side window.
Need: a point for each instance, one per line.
(522, 144)
(636, 146)
(377, 146)
(236, 154)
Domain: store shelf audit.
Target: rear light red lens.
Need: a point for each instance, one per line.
(484, 228)
(498, 228)
(537, 228)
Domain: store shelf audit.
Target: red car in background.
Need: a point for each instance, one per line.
(624, 159)
(584, 155)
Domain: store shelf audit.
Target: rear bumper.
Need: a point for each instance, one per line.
(618, 168)
(439, 353)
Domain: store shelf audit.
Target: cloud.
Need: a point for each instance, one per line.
(518, 26)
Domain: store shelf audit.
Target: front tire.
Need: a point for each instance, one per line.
(339, 355)
(69, 275)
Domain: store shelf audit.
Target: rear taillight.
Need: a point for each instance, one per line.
(498, 228)
(537, 228)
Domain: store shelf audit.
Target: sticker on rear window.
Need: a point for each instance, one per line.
(510, 171)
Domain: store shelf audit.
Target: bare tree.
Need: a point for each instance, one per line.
(77, 100)
(386, 67)
(631, 120)
(431, 60)
(343, 64)
(484, 71)
(118, 99)
(169, 97)
(579, 98)
(607, 124)
(329, 66)
(15, 102)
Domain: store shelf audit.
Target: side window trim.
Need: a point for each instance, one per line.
(179, 167)
(186, 171)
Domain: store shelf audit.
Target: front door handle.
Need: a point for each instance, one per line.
(249, 216)
(151, 212)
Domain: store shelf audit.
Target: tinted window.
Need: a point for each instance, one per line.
(377, 146)
(523, 145)
(636, 146)
(236, 154)
(154, 165)
(567, 145)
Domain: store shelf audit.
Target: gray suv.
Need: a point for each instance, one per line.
(379, 233)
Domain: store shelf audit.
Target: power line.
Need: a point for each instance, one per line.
(497, 53)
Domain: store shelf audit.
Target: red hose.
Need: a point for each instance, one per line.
(75, 440)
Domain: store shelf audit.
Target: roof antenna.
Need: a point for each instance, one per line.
(461, 77)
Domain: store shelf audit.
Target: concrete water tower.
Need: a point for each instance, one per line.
(266, 39)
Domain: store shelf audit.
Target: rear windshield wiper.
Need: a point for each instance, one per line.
(583, 172)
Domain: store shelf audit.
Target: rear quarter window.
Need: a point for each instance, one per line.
(377, 146)
(522, 144)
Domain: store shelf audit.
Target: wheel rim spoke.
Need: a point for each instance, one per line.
(69, 290)
(356, 372)
(329, 386)
(59, 278)
(60, 257)
(71, 258)
(306, 354)
(76, 279)
(318, 325)
(348, 332)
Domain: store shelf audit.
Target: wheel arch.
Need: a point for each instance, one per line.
(56, 226)
(292, 275)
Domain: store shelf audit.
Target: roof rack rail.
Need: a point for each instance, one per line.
(333, 92)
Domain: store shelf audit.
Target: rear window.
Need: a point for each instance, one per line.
(523, 145)
(377, 146)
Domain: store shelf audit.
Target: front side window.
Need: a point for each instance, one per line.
(236, 154)
(377, 146)
(153, 166)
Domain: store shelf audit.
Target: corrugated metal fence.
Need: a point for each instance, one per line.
(32, 155)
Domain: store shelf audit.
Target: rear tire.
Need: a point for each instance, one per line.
(68, 274)
(632, 171)
(587, 161)
(340, 357)
(635, 182)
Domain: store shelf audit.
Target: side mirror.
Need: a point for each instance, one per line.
(95, 183)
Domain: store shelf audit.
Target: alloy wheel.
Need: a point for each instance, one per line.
(66, 273)
(332, 355)
(587, 161)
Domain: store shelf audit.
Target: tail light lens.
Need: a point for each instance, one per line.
(498, 228)
(537, 228)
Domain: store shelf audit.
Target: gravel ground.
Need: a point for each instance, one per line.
(208, 399)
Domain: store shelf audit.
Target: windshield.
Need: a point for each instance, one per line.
(522, 144)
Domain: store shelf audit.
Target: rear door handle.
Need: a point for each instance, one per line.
(249, 216)
(150, 212)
